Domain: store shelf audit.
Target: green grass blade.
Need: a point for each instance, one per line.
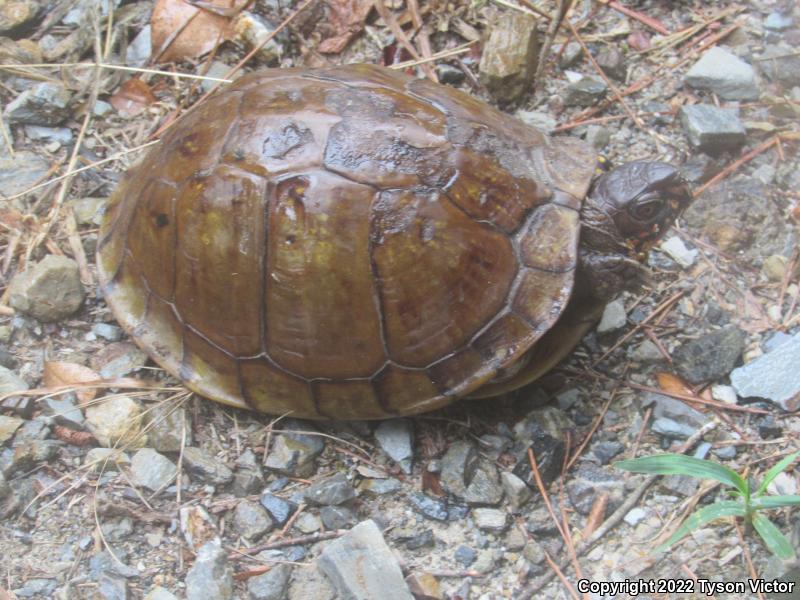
(773, 538)
(712, 512)
(678, 464)
(765, 502)
(775, 471)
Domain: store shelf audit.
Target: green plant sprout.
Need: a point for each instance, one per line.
(747, 504)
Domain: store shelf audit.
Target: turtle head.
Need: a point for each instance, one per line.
(627, 211)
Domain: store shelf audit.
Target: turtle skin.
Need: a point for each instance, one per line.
(345, 243)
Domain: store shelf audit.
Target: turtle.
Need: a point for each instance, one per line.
(352, 242)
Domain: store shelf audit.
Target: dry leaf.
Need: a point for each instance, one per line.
(70, 436)
(181, 30)
(430, 483)
(639, 40)
(673, 384)
(58, 373)
(132, 97)
(346, 19)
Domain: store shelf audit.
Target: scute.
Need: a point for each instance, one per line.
(343, 243)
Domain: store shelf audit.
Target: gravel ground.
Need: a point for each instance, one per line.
(141, 489)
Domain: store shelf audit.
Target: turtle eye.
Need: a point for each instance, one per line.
(646, 210)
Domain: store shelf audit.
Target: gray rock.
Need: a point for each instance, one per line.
(635, 515)
(739, 218)
(331, 491)
(509, 57)
(661, 112)
(699, 168)
(166, 426)
(647, 353)
(104, 562)
(11, 382)
(672, 428)
(449, 75)
(395, 438)
(670, 408)
(423, 539)
(781, 64)
(490, 519)
(458, 467)
(614, 317)
(778, 21)
(771, 376)
(5, 488)
(533, 552)
(294, 454)
(140, 48)
(678, 251)
(337, 517)
(152, 470)
(159, 593)
(246, 482)
(278, 509)
(379, 487)
(681, 485)
(251, 520)
(112, 333)
(272, 585)
(14, 15)
(548, 450)
(48, 291)
(465, 555)
(711, 129)
(542, 121)
(37, 588)
(605, 451)
(308, 583)
(116, 421)
(362, 567)
(588, 481)
(484, 489)
(117, 529)
(585, 91)
(252, 30)
(725, 74)
(517, 491)
(211, 577)
(217, 69)
(106, 459)
(88, 211)
(308, 523)
(8, 426)
(21, 172)
(45, 103)
(64, 410)
(570, 56)
(37, 428)
(612, 61)
(769, 429)
(710, 357)
(197, 526)
(62, 135)
(428, 507)
(29, 455)
(118, 359)
(205, 467)
(598, 136)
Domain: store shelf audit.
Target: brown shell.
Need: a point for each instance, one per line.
(343, 243)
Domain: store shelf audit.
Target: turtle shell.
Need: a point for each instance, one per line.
(348, 243)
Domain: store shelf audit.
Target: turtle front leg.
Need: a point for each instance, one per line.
(603, 276)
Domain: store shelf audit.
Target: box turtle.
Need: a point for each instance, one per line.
(355, 243)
